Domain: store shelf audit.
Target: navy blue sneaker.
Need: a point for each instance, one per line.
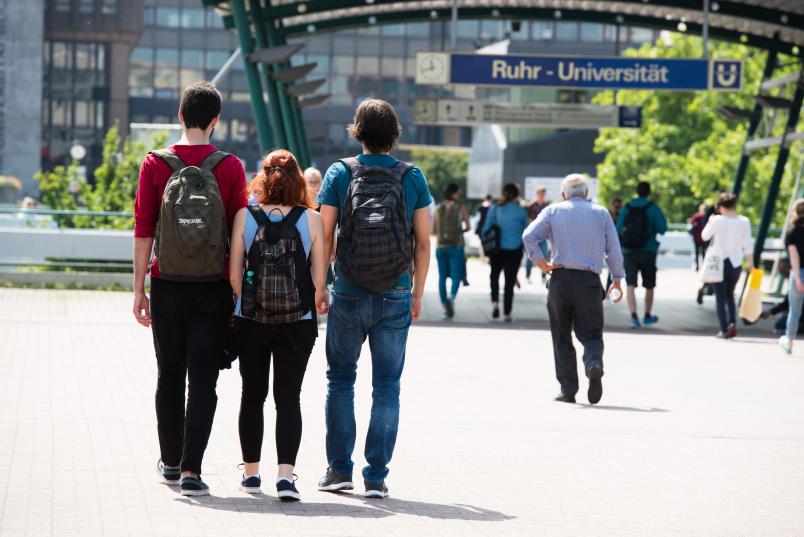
(650, 319)
(251, 484)
(375, 489)
(333, 481)
(286, 490)
(192, 486)
(169, 475)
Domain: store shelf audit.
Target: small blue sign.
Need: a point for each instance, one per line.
(594, 73)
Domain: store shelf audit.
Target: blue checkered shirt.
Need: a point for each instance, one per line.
(582, 235)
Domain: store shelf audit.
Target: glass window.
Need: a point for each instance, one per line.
(148, 15)
(168, 17)
(193, 58)
(322, 65)
(591, 31)
(142, 57)
(83, 56)
(62, 55)
(491, 29)
(165, 93)
(83, 117)
(566, 31)
(166, 77)
(192, 17)
(216, 59)
(63, 6)
(641, 35)
(394, 30)
(393, 67)
(542, 30)
(60, 113)
(419, 29)
(368, 65)
(213, 19)
(109, 7)
(140, 82)
(523, 31)
(167, 57)
(343, 65)
(369, 30)
(86, 7)
(221, 132)
(239, 130)
(190, 76)
(466, 29)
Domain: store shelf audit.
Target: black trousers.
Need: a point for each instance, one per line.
(574, 300)
(289, 345)
(189, 327)
(507, 262)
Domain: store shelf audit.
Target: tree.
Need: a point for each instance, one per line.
(684, 148)
(442, 167)
(114, 188)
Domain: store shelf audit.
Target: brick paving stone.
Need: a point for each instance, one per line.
(694, 436)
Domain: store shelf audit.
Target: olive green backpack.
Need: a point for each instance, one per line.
(192, 236)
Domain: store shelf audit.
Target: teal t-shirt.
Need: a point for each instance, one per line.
(333, 191)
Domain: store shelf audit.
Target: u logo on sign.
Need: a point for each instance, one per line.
(726, 75)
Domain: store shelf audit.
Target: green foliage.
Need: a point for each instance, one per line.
(685, 149)
(114, 188)
(442, 167)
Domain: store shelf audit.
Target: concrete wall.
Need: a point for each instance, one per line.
(21, 41)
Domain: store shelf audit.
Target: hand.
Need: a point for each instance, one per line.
(800, 286)
(619, 295)
(321, 301)
(546, 267)
(416, 307)
(765, 314)
(142, 308)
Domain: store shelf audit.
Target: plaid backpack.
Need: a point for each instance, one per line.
(277, 285)
(375, 242)
(192, 235)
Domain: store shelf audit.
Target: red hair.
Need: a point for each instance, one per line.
(281, 181)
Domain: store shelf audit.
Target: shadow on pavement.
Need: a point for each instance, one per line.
(374, 508)
(623, 408)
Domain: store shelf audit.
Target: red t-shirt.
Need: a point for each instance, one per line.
(154, 175)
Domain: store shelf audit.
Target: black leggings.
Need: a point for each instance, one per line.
(506, 261)
(290, 346)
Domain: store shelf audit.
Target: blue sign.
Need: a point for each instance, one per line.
(594, 73)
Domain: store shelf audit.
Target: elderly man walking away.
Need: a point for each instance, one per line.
(583, 237)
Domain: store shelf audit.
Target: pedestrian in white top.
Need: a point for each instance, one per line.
(731, 234)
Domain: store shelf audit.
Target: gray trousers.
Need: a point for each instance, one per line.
(575, 301)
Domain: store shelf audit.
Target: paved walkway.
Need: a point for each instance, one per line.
(694, 437)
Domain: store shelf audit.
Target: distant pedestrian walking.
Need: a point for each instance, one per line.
(794, 242)
(381, 206)
(534, 209)
(730, 234)
(450, 223)
(508, 220)
(583, 238)
(695, 224)
(275, 311)
(187, 197)
(638, 224)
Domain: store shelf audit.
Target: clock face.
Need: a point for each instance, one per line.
(431, 68)
(425, 110)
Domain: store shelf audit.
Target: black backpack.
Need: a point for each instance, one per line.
(634, 233)
(375, 241)
(277, 285)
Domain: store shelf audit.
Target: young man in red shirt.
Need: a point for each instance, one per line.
(188, 318)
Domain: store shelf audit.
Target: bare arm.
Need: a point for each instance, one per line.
(465, 218)
(329, 214)
(709, 230)
(237, 252)
(318, 262)
(142, 257)
(421, 257)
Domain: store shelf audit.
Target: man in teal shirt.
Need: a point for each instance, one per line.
(638, 224)
(357, 313)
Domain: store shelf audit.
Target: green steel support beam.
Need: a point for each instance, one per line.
(742, 168)
(289, 108)
(305, 146)
(252, 76)
(281, 134)
(778, 170)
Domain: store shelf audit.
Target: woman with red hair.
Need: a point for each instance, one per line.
(277, 271)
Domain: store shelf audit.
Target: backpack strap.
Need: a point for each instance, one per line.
(351, 164)
(259, 215)
(213, 160)
(399, 169)
(293, 216)
(170, 158)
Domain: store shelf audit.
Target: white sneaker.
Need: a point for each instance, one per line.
(786, 344)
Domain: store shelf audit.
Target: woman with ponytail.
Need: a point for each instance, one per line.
(277, 271)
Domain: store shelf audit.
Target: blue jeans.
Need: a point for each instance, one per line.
(385, 319)
(451, 264)
(796, 299)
